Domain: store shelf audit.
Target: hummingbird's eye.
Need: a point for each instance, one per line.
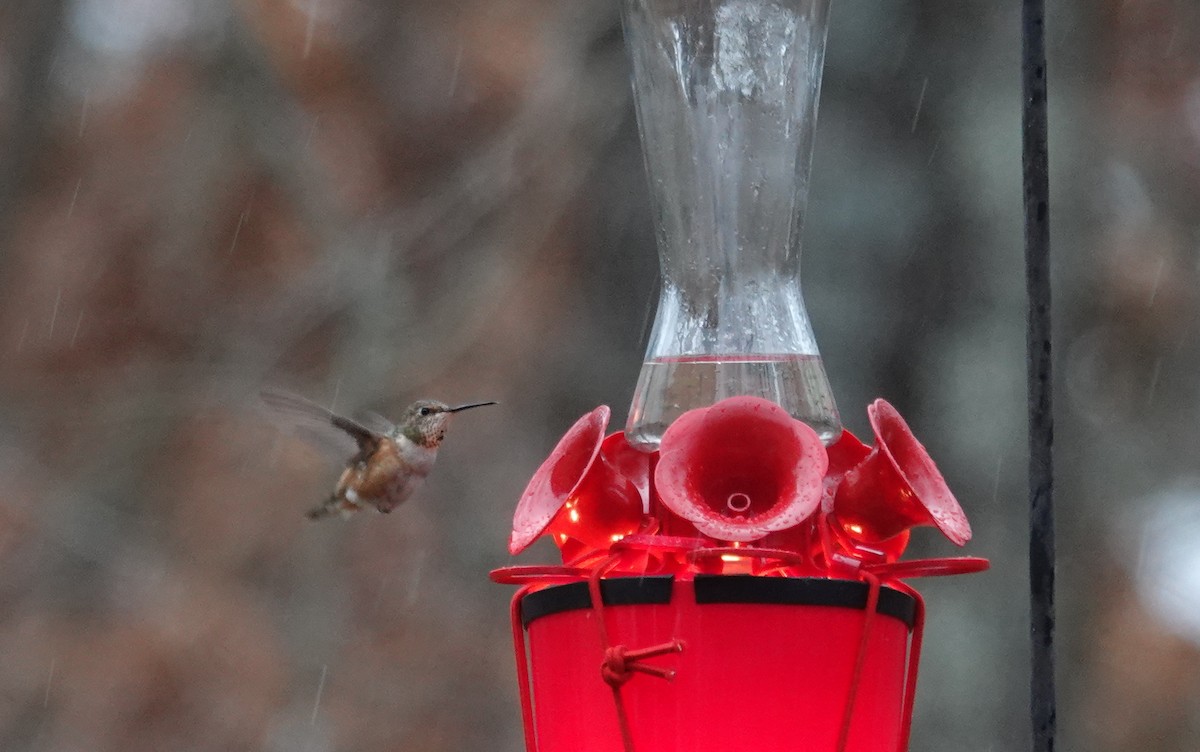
(424, 411)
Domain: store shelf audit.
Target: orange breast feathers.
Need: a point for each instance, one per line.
(371, 479)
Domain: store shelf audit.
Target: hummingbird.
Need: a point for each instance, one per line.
(392, 459)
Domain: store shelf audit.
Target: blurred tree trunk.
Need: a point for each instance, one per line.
(34, 30)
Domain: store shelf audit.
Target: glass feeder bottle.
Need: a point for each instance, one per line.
(726, 95)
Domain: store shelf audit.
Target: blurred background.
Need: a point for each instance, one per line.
(369, 202)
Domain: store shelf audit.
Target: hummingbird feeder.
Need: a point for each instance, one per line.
(732, 572)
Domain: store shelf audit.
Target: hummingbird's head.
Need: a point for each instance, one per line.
(425, 421)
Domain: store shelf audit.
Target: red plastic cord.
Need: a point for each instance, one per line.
(861, 658)
(518, 629)
(619, 662)
(914, 663)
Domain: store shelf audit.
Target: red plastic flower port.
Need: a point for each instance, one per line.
(844, 453)
(894, 488)
(740, 469)
(578, 496)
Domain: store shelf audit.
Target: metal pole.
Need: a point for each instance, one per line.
(1042, 704)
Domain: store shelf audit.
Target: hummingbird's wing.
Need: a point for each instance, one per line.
(374, 422)
(313, 421)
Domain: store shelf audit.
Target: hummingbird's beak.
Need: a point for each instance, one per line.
(470, 405)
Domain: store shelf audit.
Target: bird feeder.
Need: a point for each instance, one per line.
(732, 570)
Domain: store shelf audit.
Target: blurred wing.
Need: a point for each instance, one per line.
(374, 422)
(318, 425)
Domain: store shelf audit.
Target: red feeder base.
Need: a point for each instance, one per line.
(767, 665)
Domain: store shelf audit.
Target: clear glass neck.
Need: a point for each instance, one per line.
(726, 94)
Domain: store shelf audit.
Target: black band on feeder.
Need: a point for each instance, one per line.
(802, 592)
(617, 591)
(1041, 416)
(717, 589)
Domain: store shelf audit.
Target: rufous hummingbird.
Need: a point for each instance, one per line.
(392, 459)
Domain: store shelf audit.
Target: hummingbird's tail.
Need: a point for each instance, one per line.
(332, 506)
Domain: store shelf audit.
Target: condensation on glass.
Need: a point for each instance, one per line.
(726, 94)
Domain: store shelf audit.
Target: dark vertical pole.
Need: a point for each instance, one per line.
(1041, 415)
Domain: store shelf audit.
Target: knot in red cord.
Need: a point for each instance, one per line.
(620, 662)
(615, 669)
